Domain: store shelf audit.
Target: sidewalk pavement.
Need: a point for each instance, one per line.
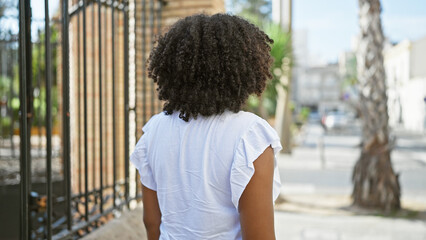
(128, 226)
(328, 225)
(327, 217)
(303, 226)
(308, 214)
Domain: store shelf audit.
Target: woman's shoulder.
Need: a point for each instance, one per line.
(242, 122)
(245, 118)
(154, 120)
(229, 120)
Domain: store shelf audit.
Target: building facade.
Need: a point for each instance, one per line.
(406, 81)
(319, 88)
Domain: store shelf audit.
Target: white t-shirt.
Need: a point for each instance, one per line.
(200, 168)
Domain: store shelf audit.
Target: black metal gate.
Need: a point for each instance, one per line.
(66, 78)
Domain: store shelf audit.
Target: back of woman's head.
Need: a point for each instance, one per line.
(205, 65)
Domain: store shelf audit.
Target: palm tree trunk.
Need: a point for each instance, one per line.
(375, 183)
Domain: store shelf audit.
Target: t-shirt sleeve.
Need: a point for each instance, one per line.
(140, 161)
(250, 146)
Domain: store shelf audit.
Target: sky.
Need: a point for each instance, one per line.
(37, 7)
(331, 24)
(38, 12)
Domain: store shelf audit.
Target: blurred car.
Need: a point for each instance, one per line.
(314, 117)
(336, 120)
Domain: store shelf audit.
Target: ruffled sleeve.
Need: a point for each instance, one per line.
(250, 146)
(140, 161)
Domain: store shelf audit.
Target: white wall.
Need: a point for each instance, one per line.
(319, 84)
(397, 67)
(406, 80)
(418, 58)
(412, 100)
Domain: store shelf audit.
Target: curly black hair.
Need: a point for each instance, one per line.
(205, 65)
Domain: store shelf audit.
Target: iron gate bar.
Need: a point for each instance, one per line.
(66, 112)
(76, 8)
(80, 187)
(86, 186)
(100, 108)
(12, 118)
(94, 191)
(24, 14)
(106, 93)
(2, 72)
(48, 66)
(66, 234)
(126, 101)
(91, 216)
(151, 29)
(113, 108)
(144, 100)
(39, 91)
(93, 100)
(30, 97)
(136, 90)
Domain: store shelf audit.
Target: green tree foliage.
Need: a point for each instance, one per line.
(9, 103)
(281, 52)
(260, 9)
(11, 77)
(7, 8)
(8, 69)
(4, 5)
(258, 12)
(39, 70)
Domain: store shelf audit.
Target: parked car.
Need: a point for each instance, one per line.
(336, 120)
(314, 117)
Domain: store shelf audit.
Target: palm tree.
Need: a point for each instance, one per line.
(375, 183)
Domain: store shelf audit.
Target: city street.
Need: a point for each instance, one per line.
(316, 187)
(313, 170)
(302, 226)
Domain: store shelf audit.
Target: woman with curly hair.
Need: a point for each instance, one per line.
(208, 169)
